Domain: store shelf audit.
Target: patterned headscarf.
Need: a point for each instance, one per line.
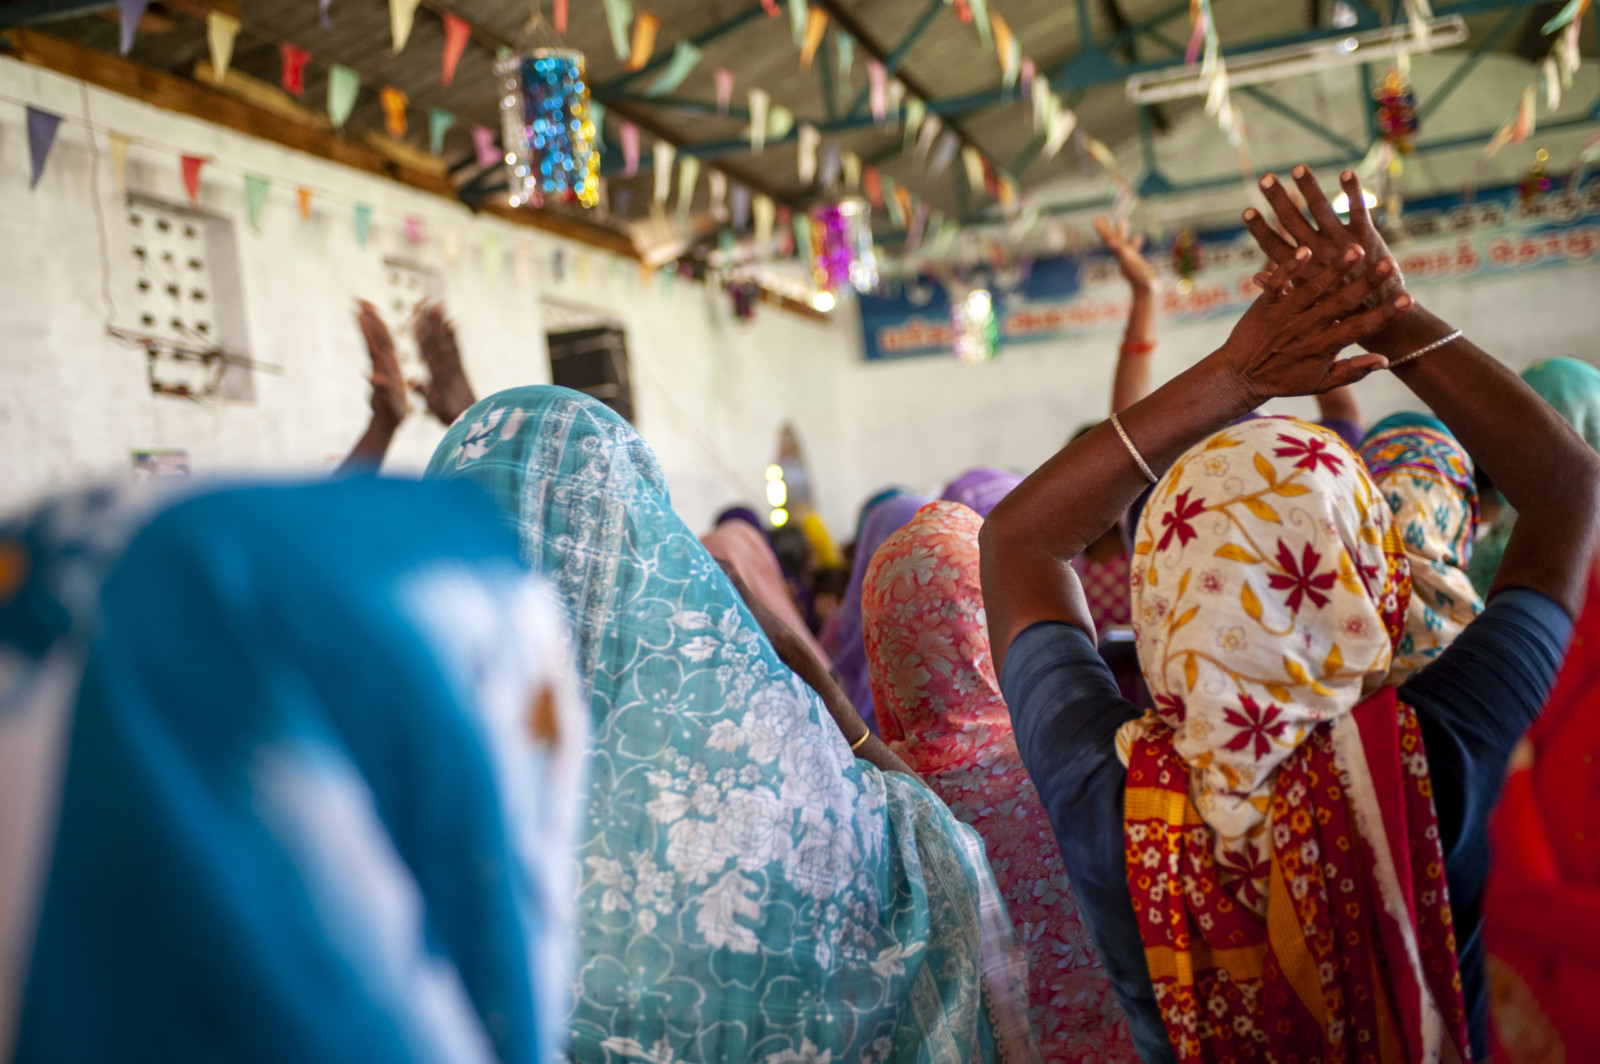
(981, 490)
(1426, 478)
(1283, 850)
(940, 708)
(750, 891)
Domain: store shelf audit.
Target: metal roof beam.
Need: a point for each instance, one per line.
(1468, 62)
(42, 12)
(902, 49)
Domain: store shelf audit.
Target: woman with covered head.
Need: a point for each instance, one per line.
(750, 891)
(939, 705)
(1285, 857)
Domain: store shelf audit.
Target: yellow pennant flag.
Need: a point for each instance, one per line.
(394, 111)
(221, 31)
(401, 14)
(644, 39)
(119, 160)
(304, 195)
(816, 26)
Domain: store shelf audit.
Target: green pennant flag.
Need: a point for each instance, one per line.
(802, 236)
(363, 220)
(846, 46)
(1564, 16)
(799, 11)
(439, 123)
(980, 18)
(685, 57)
(255, 197)
(597, 115)
(344, 85)
(619, 16)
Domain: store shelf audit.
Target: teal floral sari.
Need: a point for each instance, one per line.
(749, 890)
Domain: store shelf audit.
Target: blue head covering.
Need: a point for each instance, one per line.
(301, 813)
(887, 518)
(750, 891)
(1573, 388)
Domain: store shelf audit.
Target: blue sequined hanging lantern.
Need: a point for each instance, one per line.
(549, 134)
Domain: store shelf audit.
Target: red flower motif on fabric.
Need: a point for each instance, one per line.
(1177, 520)
(1255, 724)
(1250, 871)
(1309, 452)
(1301, 578)
(1171, 708)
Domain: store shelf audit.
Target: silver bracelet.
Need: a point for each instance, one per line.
(1419, 352)
(1138, 459)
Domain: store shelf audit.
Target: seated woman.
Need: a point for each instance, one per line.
(1428, 481)
(750, 891)
(1259, 858)
(940, 708)
(287, 774)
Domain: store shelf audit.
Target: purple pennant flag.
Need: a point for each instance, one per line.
(42, 126)
(132, 11)
(944, 154)
(831, 163)
(741, 208)
(322, 14)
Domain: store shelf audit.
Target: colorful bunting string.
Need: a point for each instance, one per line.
(221, 31)
(759, 99)
(980, 18)
(816, 26)
(664, 154)
(189, 167)
(872, 185)
(630, 149)
(255, 197)
(878, 80)
(293, 76)
(1007, 50)
(619, 14)
(764, 211)
(42, 128)
(402, 14)
(303, 195)
(740, 202)
(130, 12)
(798, 13)
(717, 185)
(393, 102)
(930, 133)
(916, 110)
(724, 79)
(828, 174)
(457, 31)
(810, 140)
(685, 57)
(851, 163)
(644, 40)
(439, 123)
(845, 45)
(344, 85)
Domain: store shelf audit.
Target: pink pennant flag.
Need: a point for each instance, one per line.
(879, 77)
(1029, 69)
(724, 78)
(457, 31)
(630, 149)
(1196, 39)
(483, 143)
(413, 230)
(190, 166)
(771, 8)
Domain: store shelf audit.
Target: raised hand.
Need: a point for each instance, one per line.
(389, 401)
(1128, 249)
(446, 391)
(1324, 233)
(1310, 309)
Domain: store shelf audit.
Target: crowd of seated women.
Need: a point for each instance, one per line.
(1189, 746)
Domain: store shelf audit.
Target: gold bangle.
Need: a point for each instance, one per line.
(864, 737)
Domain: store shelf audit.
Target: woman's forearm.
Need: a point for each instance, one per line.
(1536, 460)
(371, 447)
(1131, 381)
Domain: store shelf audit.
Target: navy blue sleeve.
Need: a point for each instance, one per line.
(1065, 711)
(1473, 703)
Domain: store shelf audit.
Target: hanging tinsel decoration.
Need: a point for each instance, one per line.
(1537, 183)
(975, 333)
(1186, 258)
(548, 132)
(744, 294)
(841, 241)
(1396, 105)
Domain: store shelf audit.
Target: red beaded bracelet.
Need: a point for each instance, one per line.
(1138, 347)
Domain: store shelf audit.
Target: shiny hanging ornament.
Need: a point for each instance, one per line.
(841, 242)
(547, 128)
(1537, 183)
(974, 331)
(1396, 107)
(744, 296)
(1186, 258)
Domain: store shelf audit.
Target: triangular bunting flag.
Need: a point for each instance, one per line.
(597, 118)
(394, 103)
(293, 76)
(131, 11)
(344, 85)
(255, 197)
(717, 182)
(42, 126)
(439, 123)
(450, 244)
(741, 207)
(764, 210)
(980, 16)
(644, 40)
(915, 111)
(221, 31)
(897, 198)
(558, 17)
(972, 160)
(798, 14)
(119, 159)
(303, 195)
(619, 13)
(851, 164)
(816, 26)
(457, 31)
(810, 140)
(494, 257)
(664, 154)
(845, 45)
(831, 163)
(483, 144)
(363, 220)
(759, 100)
(930, 133)
(724, 79)
(402, 13)
(872, 185)
(324, 19)
(944, 154)
(897, 92)
(414, 232)
(630, 149)
(189, 168)
(802, 236)
(688, 176)
(771, 8)
(1007, 50)
(685, 57)
(878, 80)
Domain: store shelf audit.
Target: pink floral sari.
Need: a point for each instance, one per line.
(939, 705)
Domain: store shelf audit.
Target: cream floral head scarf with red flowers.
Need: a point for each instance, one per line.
(1269, 585)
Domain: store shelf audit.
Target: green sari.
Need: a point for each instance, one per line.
(749, 890)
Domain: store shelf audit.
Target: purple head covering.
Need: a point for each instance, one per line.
(741, 513)
(851, 661)
(981, 489)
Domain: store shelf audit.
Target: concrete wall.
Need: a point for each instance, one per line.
(711, 393)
